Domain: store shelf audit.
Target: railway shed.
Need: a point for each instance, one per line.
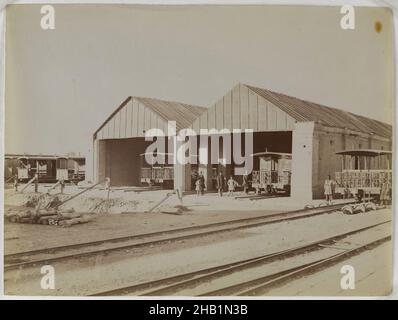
(120, 141)
(311, 132)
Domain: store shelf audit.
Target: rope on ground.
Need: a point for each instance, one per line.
(161, 201)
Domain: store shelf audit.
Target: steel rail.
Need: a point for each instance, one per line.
(169, 285)
(237, 224)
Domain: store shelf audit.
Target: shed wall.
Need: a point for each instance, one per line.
(131, 121)
(241, 108)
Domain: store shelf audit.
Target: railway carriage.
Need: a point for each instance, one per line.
(76, 168)
(44, 166)
(273, 172)
(363, 171)
(10, 167)
(159, 174)
(48, 168)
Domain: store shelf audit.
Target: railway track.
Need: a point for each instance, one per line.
(266, 196)
(260, 196)
(74, 251)
(171, 285)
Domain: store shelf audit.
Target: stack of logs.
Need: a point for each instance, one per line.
(48, 216)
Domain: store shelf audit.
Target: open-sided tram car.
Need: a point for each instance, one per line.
(157, 174)
(274, 172)
(363, 171)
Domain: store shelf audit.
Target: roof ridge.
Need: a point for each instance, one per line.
(169, 101)
(312, 102)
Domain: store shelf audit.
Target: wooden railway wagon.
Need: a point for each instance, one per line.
(158, 174)
(363, 171)
(76, 168)
(48, 168)
(274, 172)
(10, 167)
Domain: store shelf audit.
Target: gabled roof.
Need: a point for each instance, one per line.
(303, 111)
(183, 114)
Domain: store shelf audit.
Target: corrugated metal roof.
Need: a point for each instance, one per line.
(183, 114)
(303, 111)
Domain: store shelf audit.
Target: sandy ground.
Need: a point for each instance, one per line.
(373, 277)
(24, 237)
(128, 268)
(120, 201)
(324, 280)
(128, 214)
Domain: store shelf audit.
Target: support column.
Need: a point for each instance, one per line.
(179, 177)
(100, 172)
(179, 174)
(182, 172)
(302, 161)
(204, 166)
(92, 160)
(188, 177)
(182, 177)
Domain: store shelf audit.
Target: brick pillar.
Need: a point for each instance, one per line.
(302, 161)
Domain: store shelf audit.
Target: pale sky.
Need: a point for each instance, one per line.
(62, 84)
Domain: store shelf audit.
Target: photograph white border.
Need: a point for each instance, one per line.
(365, 3)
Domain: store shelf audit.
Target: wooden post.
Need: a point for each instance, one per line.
(37, 168)
(28, 183)
(108, 189)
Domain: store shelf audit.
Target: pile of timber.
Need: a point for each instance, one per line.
(48, 216)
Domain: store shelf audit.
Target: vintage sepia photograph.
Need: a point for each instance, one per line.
(198, 150)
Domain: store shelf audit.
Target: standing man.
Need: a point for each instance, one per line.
(220, 183)
(202, 183)
(16, 182)
(385, 192)
(328, 190)
(231, 186)
(198, 187)
(194, 178)
(245, 183)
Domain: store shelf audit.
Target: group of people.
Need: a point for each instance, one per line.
(230, 183)
(200, 185)
(329, 190)
(221, 182)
